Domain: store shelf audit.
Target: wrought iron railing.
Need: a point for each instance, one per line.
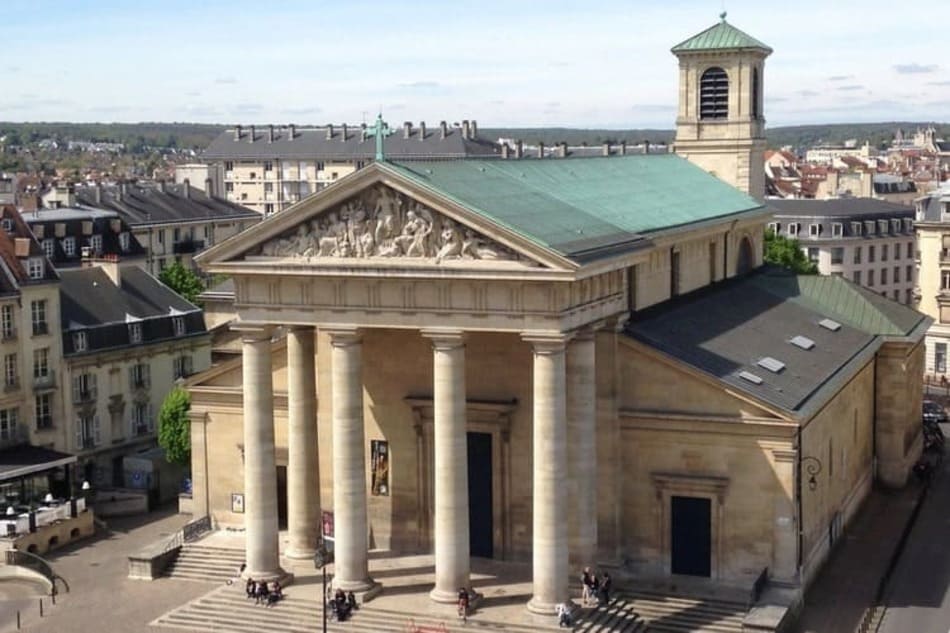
(36, 563)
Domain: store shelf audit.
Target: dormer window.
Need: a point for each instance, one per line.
(80, 342)
(714, 94)
(35, 268)
(895, 226)
(69, 246)
(869, 227)
(793, 229)
(856, 228)
(178, 325)
(135, 332)
(837, 229)
(125, 241)
(95, 243)
(49, 247)
(814, 230)
(775, 227)
(908, 225)
(882, 226)
(7, 225)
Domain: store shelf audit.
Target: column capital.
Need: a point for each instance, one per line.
(444, 338)
(343, 336)
(300, 328)
(253, 332)
(587, 332)
(547, 342)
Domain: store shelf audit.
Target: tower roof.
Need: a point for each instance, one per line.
(721, 36)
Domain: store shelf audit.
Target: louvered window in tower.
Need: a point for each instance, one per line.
(714, 94)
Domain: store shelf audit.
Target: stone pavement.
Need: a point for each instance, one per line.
(847, 584)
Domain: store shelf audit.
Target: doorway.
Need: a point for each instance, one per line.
(690, 536)
(282, 497)
(480, 505)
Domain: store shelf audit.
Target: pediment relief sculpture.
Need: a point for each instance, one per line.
(382, 223)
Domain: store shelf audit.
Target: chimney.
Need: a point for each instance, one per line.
(443, 130)
(124, 188)
(362, 133)
(343, 133)
(519, 149)
(329, 131)
(21, 246)
(110, 266)
(540, 149)
(97, 193)
(606, 148)
(186, 189)
(646, 146)
(161, 186)
(422, 130)
(505, 151)
(270, 133)
(291, 131)
(209, 187)
(474, 129)
(250, 138)
(407, 129)
(465, 129)
(623, 148)
(237, 132)
(562, 149)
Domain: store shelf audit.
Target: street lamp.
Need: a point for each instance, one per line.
(812, 466)
(321, 559)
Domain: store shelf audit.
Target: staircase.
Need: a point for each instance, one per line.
(205, 563)
(617, 617)
(674, 614)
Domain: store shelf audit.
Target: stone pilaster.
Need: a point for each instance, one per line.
(260, 468)
(582, 450)
(452, 556)
(549, 513)
(303, 467)
(351, 526)
(784, 567)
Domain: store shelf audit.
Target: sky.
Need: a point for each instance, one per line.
(514, 63)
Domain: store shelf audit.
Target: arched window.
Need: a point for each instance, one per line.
(756, 113)
(714, 94)
(746, 260)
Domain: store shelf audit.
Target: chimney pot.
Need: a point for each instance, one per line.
(606, 148)
(343, 133)
(250, 138)
(407, 129)
(270, 133)
(540, 149)
(329, 131)
(422, 130)
(237, 132)
(186, 189)
(443, 130)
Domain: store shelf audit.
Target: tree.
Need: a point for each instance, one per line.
(787, 253)
(182, 280)
(174, 428)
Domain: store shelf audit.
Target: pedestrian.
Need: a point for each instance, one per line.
(249, 587)
(605, 586)
(463, 599)
(260, 592)
(351, 601)
(564, 615)
(587, 583)
(275, 595)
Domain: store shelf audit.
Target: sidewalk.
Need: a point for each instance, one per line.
(847, 584)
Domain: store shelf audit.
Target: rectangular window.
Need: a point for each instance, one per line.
(139, 376)
(883, 276)
(178, 325)
(869, 227)
(940, 358)
(857, 255)
(84, 388)
(228, 165)
(69, 246)
(95, 243)
(268, 208)
(49, 247)
(910, 250)
(945, 280)
(80, 342)
(268, 187)
(142, 421)
(908, 225)
(182, 367)
(882, 227)
(125, 241)
(870, 278)
(8, 421)
(837, 255)
(871, 254)
(837, 229)
(135, 333)
(161, 236)
(176, 235)
(44, 411)
(11, 374)
(87, 432)
(38, 315)
(908, 296)
(910, 273)
(41, 363)
(855, 229)
(35, 268)
(814, 230)
(674, 273)
(6, 322)
(856, 277)
(268, 165)
(884, 250)
(775, 227)
(793, 229)
(813, 254)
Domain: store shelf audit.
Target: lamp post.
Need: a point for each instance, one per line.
(321, 559)
(812, 466)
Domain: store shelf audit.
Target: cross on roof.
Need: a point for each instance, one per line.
(380, 130)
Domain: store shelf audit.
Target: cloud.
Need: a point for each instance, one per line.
(776, 99)
(113, 109)
(225, 80)
(938, 83)
(193, 93)
(247, 108)
(914, 68)
(201, 110)
(653, 107)
(840, 77)
(552, 104)
(808, 93)
(851, 87)
(497, 102)
(302, 111)
(421, 85)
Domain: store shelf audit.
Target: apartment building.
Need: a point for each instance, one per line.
(267, 169)
(870, 242)
(69, 235)
(126, 339)
(933, 237)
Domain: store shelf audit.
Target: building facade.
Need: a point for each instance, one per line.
(870, 242)
(933, 235)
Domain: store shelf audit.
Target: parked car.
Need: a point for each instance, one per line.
(933, 412)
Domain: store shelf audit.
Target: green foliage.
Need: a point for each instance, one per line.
(174, 428)
(787, 253)
(182, 280)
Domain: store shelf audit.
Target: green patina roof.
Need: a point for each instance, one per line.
(845, 302)
(582, 207)
(718, 37)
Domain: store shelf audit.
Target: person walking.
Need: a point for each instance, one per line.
(605, 587)
(587, 583)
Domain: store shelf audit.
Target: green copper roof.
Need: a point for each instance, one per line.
(718, 37)
(580, 207)
(845, 302)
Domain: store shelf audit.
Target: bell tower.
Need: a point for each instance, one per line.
(720, 124)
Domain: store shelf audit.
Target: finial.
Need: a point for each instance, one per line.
(722, 16)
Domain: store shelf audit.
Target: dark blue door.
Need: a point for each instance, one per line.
(480, 527)
(690, 538)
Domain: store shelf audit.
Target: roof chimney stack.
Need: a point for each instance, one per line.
(161, 186)
(250, 138)
(474, 129)
(209, 187)
(270, 133)
(623, 148)
(466, 130)
(519, 149)
(407, 129)
(291, 132)
(343, 133)
(562, 149)
(186, 189)
(362, 133)
(540, 149)
(329, 131)
(422, 130)
(505, 151)
(606, 148)
(646, 146)
(97, 193)
(443, 130)
(237, 132)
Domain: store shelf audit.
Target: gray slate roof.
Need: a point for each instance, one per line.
(312, 143)
(143, 206)
(727, 328)
(858, 207)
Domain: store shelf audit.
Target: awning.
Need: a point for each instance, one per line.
(25, 460)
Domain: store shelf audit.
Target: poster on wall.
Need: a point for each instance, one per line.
(380, 465)
(237, 502)
(326, 521)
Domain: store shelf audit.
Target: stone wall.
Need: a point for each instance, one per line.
(899, 389)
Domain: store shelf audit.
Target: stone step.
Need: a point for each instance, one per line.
(617, 616)
(713, 604)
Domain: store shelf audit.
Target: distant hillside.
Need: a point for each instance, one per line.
(198, 135)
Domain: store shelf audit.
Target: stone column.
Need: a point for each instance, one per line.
(582, 450)
(303, 466)
(260, 468)
(549, 515)
(351, 527)
(452, 562)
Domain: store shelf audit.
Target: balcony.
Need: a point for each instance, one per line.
(187, 246)
(140, 384)
(141, 429)
(10, 387)
(87, 443)
(40, 328)
(46, 381)
(84, 396)
(8, 335)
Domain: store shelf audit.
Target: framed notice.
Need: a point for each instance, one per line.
(237, 502)
(380, 466)
(326, 523)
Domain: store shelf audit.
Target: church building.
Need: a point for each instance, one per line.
(555, 360)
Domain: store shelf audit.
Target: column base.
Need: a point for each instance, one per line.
(364, 590)
(306, 553)
(540, 607)
(452, 597)
(283, 577)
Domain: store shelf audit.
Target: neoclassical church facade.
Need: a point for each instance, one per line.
(561, 361)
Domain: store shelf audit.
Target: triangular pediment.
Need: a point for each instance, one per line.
(371, 219)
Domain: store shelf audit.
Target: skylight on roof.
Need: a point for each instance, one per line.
(803, 342)
(749, 376)
(772, 364)
(828, 324)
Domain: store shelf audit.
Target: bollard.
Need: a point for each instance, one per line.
(53, 597)
(17, 619)
(41, 607)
